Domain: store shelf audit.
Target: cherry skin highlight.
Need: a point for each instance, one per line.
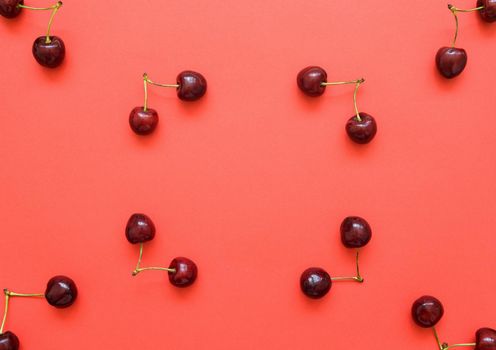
(315, 282)
(50, 55)
(9, 9)
(488, 13)
(427, 311)
(355, 232)
(451, 61)
(192, 86)
(185, 274)
(310, 80)
(361, 131)
(61, 292)
(139, 229)
(9, 341)
(485, 339)
(143, 122)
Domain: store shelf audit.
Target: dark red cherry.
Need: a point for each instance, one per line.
(50, 55)
(143, 122)
(488, 14)
(9, 9)
(451, 61)
(427, 311)
(355, 232)
(315, 282)
(310, 80)
(485, 339)
(361, 131)
(185, 274)
(61, 292)
(192, 85)
(139, 229)
(9, 341)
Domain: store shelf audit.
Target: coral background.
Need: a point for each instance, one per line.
(252, 181)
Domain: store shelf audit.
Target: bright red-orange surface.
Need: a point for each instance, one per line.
(252, 181)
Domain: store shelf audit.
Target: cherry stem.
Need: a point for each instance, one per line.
(54, 10)
(139, 269)
(454, 10)
(357, 83)
(8, 295)
(147, 81)
(445, 346)
(358, 278)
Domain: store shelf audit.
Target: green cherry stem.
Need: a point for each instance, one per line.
(454, 10)
(445, 346)
(358, 278)
(357, 83)
(139, 269)
(147, 81)
(8, 295)
(54, 10)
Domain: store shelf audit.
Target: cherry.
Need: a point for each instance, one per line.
(49, 54)
(488, 13)
(427, 311)
(183, 272)
(139, 229)
(485, 339)
(10, 9)
(192, 85)
(9, 341)
(61, 292)
(451, 61)
(355, 232)
(361, 130)
(315, 282)
(143, 122)
(310, 80)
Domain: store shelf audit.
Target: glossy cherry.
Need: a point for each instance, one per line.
(50, 55)
(361, 131)
(192, 85)
(451, 61)
(315, 282)
(427, 311)
(143, 122)
(9, 341)
(61, 292)
(139, 229)
(310, 80)
(488, 13)
(355, 232)
(485, 339)
(10, 9)
(185, 272)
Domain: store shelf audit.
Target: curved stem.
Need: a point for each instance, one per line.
(8, 295)
(459, 345)
(357, 85)
(54, 11)
(139, 269)
(162, 85)
(445, 346)
(342, 82)
(437, 338)
(454, 10)
(145, 107)
(358, 278)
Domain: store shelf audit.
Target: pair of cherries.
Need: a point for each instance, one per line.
(190, 86)
(182, 271)
(451, 61)
(61, 292)
(48, 50)
(312, 80)
(355, 232)
(427, 311)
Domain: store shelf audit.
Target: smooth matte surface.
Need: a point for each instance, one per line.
(253, 180)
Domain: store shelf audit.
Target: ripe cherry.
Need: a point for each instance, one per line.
(427, 311)
(143, 122)
(9, 341)
(488, 13)
(61, 292)
(485, 339)
(451, 61)
(192, 85)
(183, 272)
(315, 282)
(355, 232)
(310, 80)
(361, 129)
(10, 9)
(51, 53)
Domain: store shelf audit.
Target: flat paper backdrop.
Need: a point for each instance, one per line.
(252, 181)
